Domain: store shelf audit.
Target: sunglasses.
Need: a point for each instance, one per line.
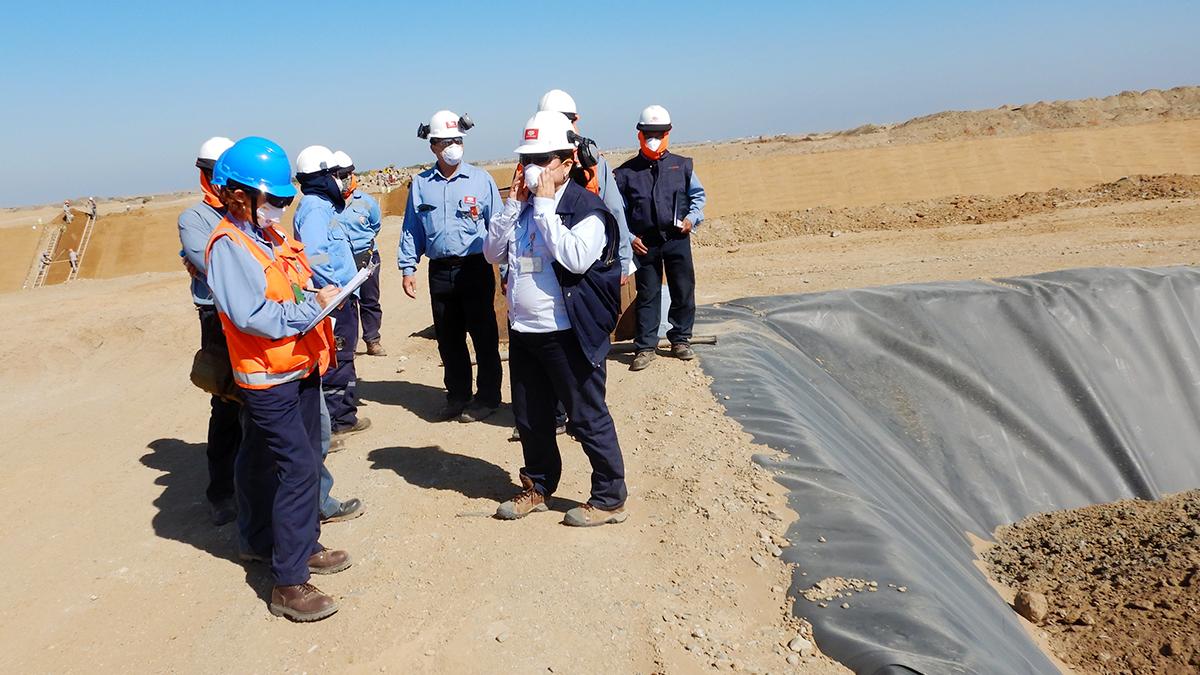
(279, 202)
(536, 160)
(448, 141)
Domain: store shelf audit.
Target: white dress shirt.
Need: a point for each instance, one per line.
(529, 239)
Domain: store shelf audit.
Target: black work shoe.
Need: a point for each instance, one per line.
(558, 431)
(451, 411)
(683, 351)
(362, 424)
(476, 412)
(349, 510)
(223, 511)
(643, 359)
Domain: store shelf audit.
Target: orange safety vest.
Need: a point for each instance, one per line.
(258, 362)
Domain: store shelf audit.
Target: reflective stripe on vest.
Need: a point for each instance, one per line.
(258, 362)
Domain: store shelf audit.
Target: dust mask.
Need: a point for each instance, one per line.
(453, 154)
(533, 173)
(654, 144)
(269, 216)
(341, 186)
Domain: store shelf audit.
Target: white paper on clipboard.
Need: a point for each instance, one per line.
(358, 280)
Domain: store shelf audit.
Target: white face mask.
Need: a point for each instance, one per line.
(654, 144)
(340, 184)
(269, 216)
(533, 173)
(453, 154)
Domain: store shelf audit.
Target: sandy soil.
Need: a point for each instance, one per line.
(1121, 582)
(105, 448)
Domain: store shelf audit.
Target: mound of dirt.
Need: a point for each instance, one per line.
(1121, 580)
(766, 226)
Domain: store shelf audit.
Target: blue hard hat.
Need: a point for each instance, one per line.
(258, 163)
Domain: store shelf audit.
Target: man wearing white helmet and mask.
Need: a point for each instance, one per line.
(446, 217)
(327, 243)
(664, 200)
(560, 244)
(196, 225)
(362, 218)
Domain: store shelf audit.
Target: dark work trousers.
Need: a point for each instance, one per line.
(551, 367)
(277, 476)
(462, 292)
(341, 381)
(675, 257)
(224, 425)
(369, 309)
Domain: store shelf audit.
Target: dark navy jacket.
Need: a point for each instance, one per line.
(655, 192)
(593, 298)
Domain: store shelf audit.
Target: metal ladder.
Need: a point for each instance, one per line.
(84, 240)
(43, 269)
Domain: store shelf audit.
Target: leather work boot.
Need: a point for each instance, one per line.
(362, 424)
(591, 516)
(325, 561)
(349, 510)
(451, 411)
(302, 602)
(643, 359)
(223, 511)
(336, 445)
(529, 501)
(476, 412)
(683, 351)
(328, 561)
(375, 349)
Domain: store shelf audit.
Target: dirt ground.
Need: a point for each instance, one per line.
(118, 566)
(1122, 582)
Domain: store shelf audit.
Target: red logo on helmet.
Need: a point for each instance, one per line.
(452, 124)
(531, 134)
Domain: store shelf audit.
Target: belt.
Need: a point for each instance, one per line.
(455, 260)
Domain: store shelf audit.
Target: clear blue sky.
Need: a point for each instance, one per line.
(115, 98)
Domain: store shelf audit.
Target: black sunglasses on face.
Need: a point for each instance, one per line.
(448, 141)
(280, 202)
(536, 160)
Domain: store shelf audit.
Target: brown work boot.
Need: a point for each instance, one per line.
(302, 602)
(683, 351)
(361, 424)
(375, 349)
(643, 359)
(590, 516)
(529, 501)
(328, 561)
(325, 561)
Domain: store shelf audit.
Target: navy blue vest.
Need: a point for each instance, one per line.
(593, 298)
(655, 192)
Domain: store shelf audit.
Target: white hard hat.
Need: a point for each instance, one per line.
(654, 118)
(559, 101)
(444, 124)
(313, 159)
(210, 150)
(546, 132)
(342, 161)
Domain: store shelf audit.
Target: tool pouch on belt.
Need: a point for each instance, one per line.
(363, 259)
(212, 372)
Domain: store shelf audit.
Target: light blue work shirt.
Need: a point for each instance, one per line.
(696, 201)
(195, 228)
(361, 218)
(326, 242)
(239, 288)
(446, 216)
(611, 196)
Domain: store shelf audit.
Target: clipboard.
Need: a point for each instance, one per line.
(358, 280)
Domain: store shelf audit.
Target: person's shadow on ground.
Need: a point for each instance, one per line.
(422, 400)
(433, 468)
(183, 509)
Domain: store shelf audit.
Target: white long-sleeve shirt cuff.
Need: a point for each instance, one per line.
(574, 248)
(500, 232)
